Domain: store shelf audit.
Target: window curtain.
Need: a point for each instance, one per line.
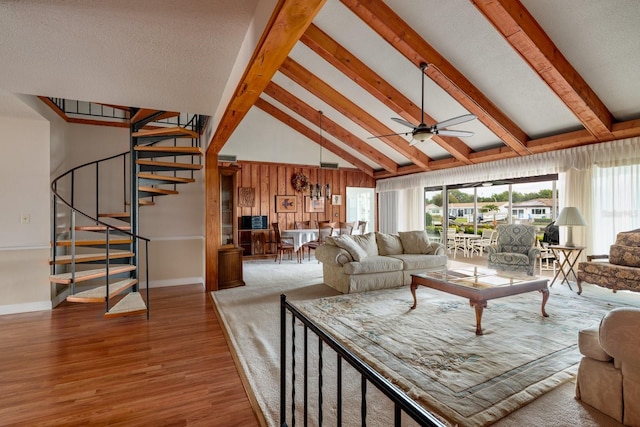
(586, 181)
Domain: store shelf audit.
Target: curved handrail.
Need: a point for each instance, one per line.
(70, 171)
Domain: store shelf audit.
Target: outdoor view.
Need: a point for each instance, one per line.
(474, 208)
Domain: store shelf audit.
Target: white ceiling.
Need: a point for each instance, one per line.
(185, 56)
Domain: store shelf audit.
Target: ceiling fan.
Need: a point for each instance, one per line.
(423, 132)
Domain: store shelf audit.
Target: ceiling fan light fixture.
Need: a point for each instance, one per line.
(423, 135)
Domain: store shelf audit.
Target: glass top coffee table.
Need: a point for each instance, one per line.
(480, 285)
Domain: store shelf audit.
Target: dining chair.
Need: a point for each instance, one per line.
(283, 244)
(324, 231)
(346, 227)
(302, 225)
(362, 227)
(483, 242)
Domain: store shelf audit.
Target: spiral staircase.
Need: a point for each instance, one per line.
(98, 255)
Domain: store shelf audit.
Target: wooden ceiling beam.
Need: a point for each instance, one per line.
(332, 128)
(384, 21)
(525, 35)
(332, 52)
(313, 135)
(288, 22)
(336, 100)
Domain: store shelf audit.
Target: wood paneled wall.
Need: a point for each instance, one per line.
(271, 179)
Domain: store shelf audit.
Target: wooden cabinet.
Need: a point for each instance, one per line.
(229, 254)
(230, 268)
(256, 242)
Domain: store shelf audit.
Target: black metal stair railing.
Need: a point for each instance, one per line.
(57, 186)
(289, 414)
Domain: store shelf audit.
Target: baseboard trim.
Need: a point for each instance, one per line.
(174, 282)
(25, 307)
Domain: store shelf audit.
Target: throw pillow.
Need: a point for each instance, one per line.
(389, 244)
(347, 243)
(414, 242)
(367, 242)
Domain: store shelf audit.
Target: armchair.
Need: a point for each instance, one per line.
(609, 373)
(515, 249)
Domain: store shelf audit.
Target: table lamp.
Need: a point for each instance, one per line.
(569, 217)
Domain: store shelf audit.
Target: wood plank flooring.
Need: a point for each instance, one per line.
(72, 367)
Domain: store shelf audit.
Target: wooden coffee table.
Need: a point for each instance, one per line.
(480, 285)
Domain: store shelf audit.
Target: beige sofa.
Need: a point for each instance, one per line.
(357, 263)
(609, 373)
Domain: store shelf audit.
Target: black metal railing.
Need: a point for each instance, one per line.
(69, 200)
(91, 109)
(289, 414)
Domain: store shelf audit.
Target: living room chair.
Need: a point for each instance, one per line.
(283, 244)
(609, 371)
(324, 231)
(515, 249)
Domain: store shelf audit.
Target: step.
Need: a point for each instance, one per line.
(144, 191)
(121, 216)
(150, 166)
(145, 114)
(158, 179)
(80, 258)
(98, 294)
(103, 228)
(95, 242)
(131, 305)
(166, 133)
(83, 276)
(143, 203)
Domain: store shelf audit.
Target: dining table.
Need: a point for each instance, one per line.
(301, 236)
(467, 242)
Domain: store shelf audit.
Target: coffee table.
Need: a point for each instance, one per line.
(479, 285)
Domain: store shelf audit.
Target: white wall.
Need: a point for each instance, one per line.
(24, 217)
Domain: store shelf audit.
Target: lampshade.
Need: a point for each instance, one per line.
(423, 135)
(570, 217)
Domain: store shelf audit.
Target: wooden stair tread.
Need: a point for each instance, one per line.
(103, 228)
(93, 242)
(165, 178)
(143, 203)
(66, 259)
(132, 304)
(175, 131)
(170, 165)
(144, 113)
(156, 190)
(81, 276)
(115, 215)
(98, 294)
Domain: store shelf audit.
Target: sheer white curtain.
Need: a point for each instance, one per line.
(582, 177)
(616, 204)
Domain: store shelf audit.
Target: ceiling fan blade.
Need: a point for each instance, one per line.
(455, 121)
(403, 122)
(389, 134)
(447, 132)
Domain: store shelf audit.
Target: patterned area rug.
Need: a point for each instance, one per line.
(433, 353)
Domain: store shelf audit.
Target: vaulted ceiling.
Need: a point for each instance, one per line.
(540, 75)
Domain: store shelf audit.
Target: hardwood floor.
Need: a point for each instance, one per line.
(69, 366)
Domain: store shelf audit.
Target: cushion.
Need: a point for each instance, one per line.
(389, 244)
(347, 243)
(415, 242)
(421, 262)
(624, 255)
(373, 264)
(367, 242)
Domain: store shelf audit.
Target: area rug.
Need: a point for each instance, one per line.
(433, 354)
(513, 329)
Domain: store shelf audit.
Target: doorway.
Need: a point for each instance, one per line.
(361, 206)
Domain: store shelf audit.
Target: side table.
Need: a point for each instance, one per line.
(567, 257)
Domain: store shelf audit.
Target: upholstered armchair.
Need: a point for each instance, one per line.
(514, 249)
(609, 373)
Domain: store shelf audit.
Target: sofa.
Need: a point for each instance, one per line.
(357, 263)
(609, 372)
(621, 272)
